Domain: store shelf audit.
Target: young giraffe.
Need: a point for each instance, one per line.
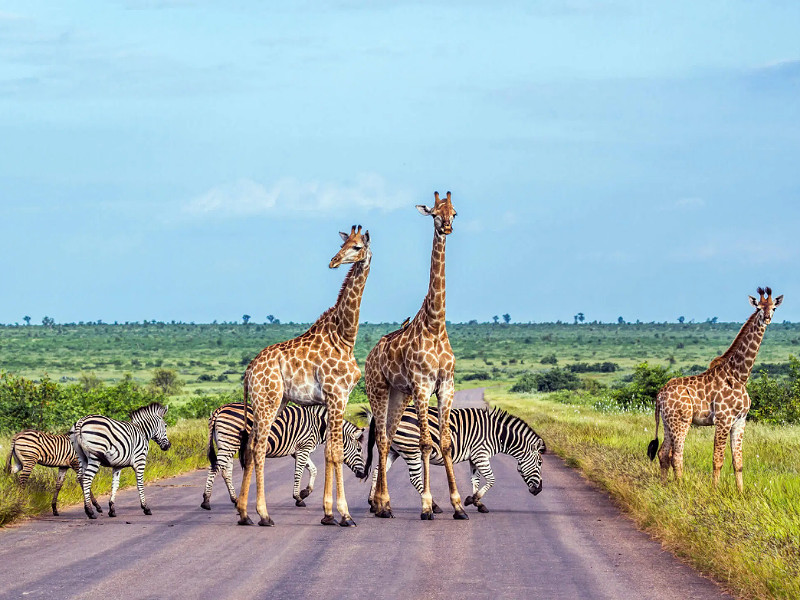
(716, 397)
(317, 367)
(412, 364)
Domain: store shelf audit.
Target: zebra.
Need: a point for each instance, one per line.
(297, 430)
(477, 434)
(30, 448)
(99, 440)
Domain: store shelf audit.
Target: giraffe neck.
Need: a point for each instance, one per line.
(434, 304)
(348, 305)
(742, 353)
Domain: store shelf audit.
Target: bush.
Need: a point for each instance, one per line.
(603, 367)
(476, 377)
(774, 400)
(550, 359)
(201, 406)
(166, 382)
(550, 381)
(643, 387)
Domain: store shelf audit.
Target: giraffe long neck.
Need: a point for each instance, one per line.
(348, 304)
(742, 353)
(434, 304)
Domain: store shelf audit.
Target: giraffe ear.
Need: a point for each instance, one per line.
(344, 236)
(366, 237)
(778, 300)
(423, 210)
(753, 301)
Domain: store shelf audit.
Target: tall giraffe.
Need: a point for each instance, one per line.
(317, 367)
(718, 397)
(411, 364)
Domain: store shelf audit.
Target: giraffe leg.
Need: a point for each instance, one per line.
(678, 431)
(737, 433)
(445, 402)
(397, 403)
(720, 437)
(334, 456)
(62, 474)
(665, 453)
(421, 397)
(378, 394)
(389, 460)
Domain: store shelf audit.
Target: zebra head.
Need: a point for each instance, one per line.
(529, 466)
(352, 448)
(151, 420)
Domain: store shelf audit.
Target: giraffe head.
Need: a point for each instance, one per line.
(442, 212)
(355, 248)
(765, 304)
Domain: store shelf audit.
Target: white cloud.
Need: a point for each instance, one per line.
(289, 196)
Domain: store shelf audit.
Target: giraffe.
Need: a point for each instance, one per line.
(718, 397)
(317, 367)
(411, 364)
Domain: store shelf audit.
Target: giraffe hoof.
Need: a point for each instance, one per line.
(268, 522)
(384, 514)
(245, 521)
(206, 505)
(426, 516)
(482, 508)
(372, 508)
(305, 493)
(436, 509)
(299, 503)
(347, 522)
(460, 515)
(467, 500)
(147, 511)
(328, 520)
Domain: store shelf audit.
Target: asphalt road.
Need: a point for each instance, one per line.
(568, 542)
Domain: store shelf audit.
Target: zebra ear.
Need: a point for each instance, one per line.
(360, 434)
(164, 412)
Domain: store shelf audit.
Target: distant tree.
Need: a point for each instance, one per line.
(245, 319)
(165, 381)
(27, 320)
(473, 322)
(90, 381)
(496, 319)
(620, 321)
(681, 319)
(507, 318)
(271, 318)
(581, 318)
(48, 322)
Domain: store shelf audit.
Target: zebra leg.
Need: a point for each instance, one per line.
(301, 462)
(75, 466)
(212, 472)
(476, 482)
(480, 464)
(227, 475)
(139, 469)
(62, 474)
(445, 401)
(86, 477)
(114, 486)
(25, 474)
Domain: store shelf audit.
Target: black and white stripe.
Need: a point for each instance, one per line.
(30, 448)
(99, 440)
(297, 430)
(477, 435)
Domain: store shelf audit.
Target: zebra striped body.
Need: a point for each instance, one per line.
(297, 430)
(99, 440)
(30, 448)
(477, 435)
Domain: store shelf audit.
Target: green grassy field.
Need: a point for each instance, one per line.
(750, 542)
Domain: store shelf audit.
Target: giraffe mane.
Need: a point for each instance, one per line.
(730, 351)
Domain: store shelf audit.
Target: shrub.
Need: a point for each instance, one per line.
(165, 381)
(643, 386)
(550, 359)
(550, 381)
(603, 367)
(775, 400)
(476, 377)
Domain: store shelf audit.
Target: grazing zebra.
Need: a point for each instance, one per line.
(477, 435)
(30, 448)
(103, 441)
(297, 430)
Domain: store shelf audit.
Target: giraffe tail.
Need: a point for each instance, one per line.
(370, 444)
(652, 448)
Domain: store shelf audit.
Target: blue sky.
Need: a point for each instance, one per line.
(184, 160)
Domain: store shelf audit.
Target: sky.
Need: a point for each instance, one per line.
(193, 161)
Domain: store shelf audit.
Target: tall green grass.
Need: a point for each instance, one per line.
(750, 543)
(188, 452)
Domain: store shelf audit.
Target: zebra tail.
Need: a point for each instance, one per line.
(10, 458)
(244, 436)
(370, 444)
(212, 456)
(652, 448)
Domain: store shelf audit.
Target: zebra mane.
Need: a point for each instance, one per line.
(152, 408)
(503, 417)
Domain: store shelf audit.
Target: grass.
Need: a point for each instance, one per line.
(188, 452)
(750, 543)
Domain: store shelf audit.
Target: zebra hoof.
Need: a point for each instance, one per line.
(482, 508)
(426, 516)
(55, 512)
(90, 514)
(347, 522)
(384, 514)
(206, 505)
(467, 500)
(328, 520)
(460, 515)
(268, 522)
(99, 508)
(299, 503)
(112, 512)
(244, 521)
(436, 509)
(147, 511)
(305, 493)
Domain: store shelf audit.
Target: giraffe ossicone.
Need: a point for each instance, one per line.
(317, 367)
(717, 397)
